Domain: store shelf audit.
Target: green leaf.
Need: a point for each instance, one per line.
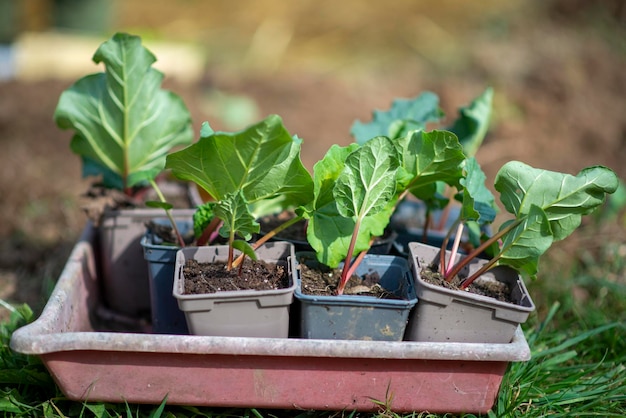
(349, 181)
(245, 248)
(202, 217)
(325, 174)
(263, 161)
(233, 211)
(563, 197)
(473, 122)
(523, 245)
(430, 157)
(478, 202)
(404, 116)
(124, 123)
(328, 232)
(368, 180)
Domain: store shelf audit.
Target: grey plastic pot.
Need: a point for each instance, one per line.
(167, 318)
(122, 267)
(446, 315)
(243, 313)
(353, 317)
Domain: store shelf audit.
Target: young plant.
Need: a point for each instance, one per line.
(364, 188)
(124, 123)
(356, 189)
(548, 206)
(249, 174)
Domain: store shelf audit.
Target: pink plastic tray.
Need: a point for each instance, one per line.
(289, 373)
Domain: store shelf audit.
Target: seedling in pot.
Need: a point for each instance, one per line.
(356, 189)
(364, 188)
(124, 124)
(249, 173)
(548, 206)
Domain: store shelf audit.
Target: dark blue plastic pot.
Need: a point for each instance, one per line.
(353, 317)
(161, 258)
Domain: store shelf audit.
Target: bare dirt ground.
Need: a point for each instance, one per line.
(560, 104)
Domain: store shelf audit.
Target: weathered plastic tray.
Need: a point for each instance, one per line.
(289, 373)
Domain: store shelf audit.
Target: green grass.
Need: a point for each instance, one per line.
(577, 337)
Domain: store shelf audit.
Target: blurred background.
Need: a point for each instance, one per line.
(558, 68)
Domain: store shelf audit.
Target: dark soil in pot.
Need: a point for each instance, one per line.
(165, 232)
(203, 278)
(490, 288)
(323, 282)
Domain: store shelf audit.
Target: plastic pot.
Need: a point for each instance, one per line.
(242, 313)
(121, 263)
(167, 318)
(354, 317)
(447, 315)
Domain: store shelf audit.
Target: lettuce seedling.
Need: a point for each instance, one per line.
(124, 123)
(249, 174)
(547, 207)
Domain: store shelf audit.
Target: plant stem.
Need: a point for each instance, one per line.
(442, 252)
(482, 247)
(168, 212)
(347, 264)
(269, 236)
(358, 260)
(229, 263)
(208, 231)
(455, 246)
(480, 271)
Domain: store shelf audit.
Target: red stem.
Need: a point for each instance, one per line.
(269, 236)
(346, 266)
(206, 234)
(442, 252)
(482, 247)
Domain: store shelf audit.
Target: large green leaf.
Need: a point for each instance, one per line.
(368, 180)
(124, 123)
(354, 187)
(563, 197)
(524, 244)
(473, 122)
(324, 218)
(325, 174)
(263, 161)
(328, 232)
(430, 157)
(404, 116)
